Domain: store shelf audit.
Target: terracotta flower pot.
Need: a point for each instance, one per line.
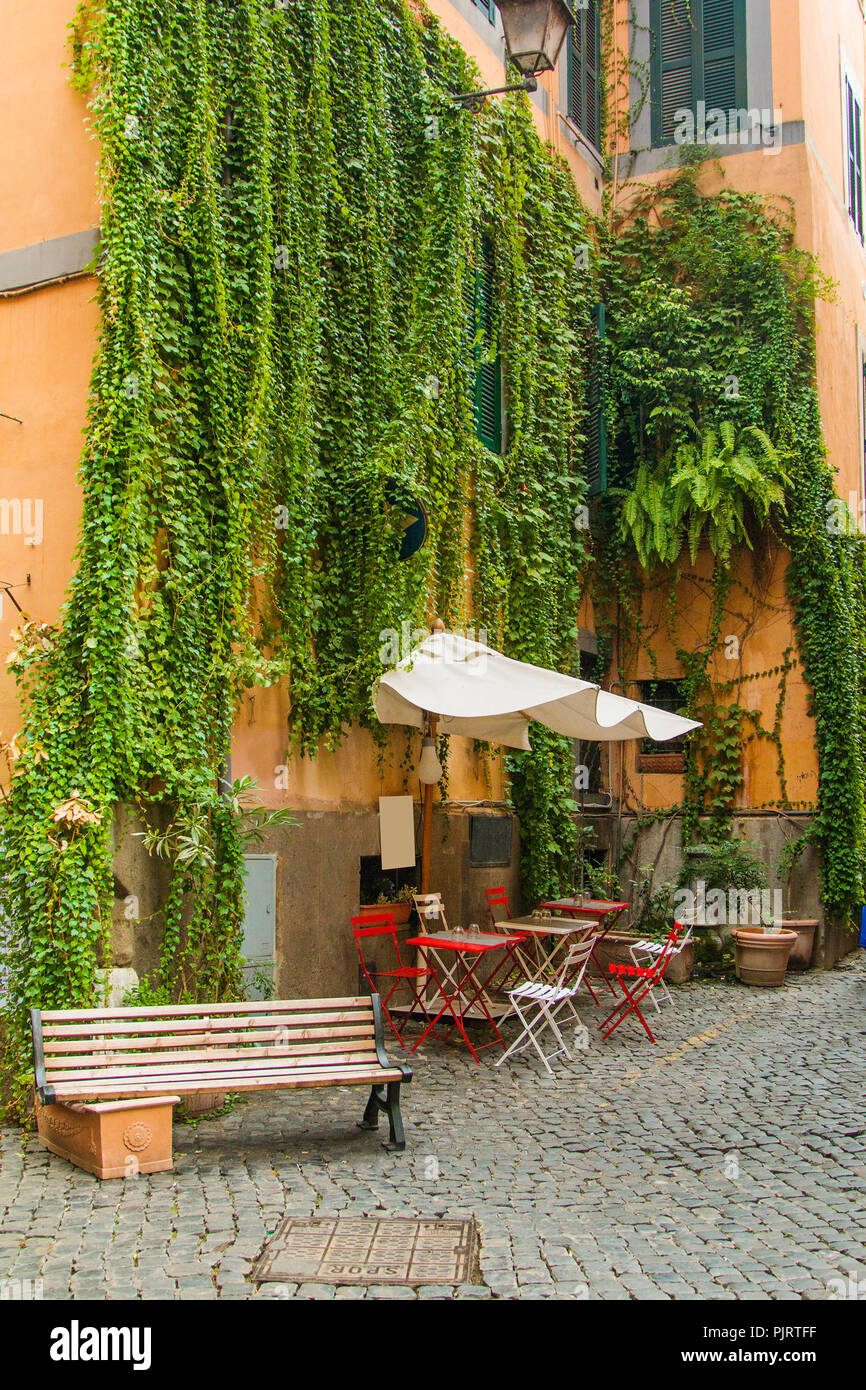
(401, 912)
(762, 957)
(803, 949)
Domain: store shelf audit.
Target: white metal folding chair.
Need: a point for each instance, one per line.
(646, 952)
(431, 911)
(537, 1005)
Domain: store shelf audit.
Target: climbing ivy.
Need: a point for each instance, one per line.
(292, 211)
(711, 308)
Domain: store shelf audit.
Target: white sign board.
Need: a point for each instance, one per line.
(397, 832)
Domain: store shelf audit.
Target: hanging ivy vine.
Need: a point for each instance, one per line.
(292, 211)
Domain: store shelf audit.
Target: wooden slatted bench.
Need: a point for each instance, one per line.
(107, 1079)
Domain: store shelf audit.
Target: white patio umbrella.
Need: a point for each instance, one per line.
(451, 685)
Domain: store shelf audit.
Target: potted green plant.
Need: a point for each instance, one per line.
(398, 903)
(722, 877)
(652, 917)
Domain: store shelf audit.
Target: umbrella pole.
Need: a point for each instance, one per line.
(427, 821)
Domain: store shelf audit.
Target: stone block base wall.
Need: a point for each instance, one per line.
(317, 892)
(766, 834)
(318, 886)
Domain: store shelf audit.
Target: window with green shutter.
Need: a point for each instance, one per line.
(854, 156)
(489, 8)
(699, 56)
(488, 370)
(584, 73)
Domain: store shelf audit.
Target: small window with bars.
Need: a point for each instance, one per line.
(584, 73)
(488, 365)
(591, 760)
(853, 117)
(667, 695)
(699, 55)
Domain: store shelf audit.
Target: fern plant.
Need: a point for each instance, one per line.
(707, 487)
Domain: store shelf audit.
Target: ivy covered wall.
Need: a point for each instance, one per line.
(293, 216)
(711, 305)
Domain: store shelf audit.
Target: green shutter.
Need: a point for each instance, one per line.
(596, 444)
(488, 374)
(855, 158)
(584, 73)
(489, 8)
(699, 54)
(675, 64)
(724, 53)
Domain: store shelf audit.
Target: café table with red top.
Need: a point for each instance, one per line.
(584, 907)
(458, 960)
(604, 912)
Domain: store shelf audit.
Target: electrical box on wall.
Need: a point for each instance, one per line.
(260, 917)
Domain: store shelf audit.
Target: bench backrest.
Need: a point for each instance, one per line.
(94, 1047)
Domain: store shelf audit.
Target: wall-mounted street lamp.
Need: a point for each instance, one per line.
(535, 31)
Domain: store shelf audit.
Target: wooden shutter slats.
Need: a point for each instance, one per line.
(699, 55)
(583, 75)
(718, 25)
(488, 374)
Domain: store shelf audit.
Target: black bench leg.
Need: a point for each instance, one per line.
(376, 1103)
(397, 1139)
(390, 1103)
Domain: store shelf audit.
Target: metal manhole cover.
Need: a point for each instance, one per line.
(365, 1250)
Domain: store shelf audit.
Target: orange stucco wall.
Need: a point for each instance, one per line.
(47, 340)
(47, 159)
(755, 635)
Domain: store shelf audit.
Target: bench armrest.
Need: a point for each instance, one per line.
(45, 1092)
(380, 1041)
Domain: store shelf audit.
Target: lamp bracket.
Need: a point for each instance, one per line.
(473, 101)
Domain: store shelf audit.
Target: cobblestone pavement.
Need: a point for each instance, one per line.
(725, 1163)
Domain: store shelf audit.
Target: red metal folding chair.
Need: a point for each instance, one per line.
(497, 897)
(645, 979)
(414, 977)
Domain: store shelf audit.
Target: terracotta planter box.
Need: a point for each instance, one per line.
(804, 947)
(111, 1139)
(401, 912)
(762, 957)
